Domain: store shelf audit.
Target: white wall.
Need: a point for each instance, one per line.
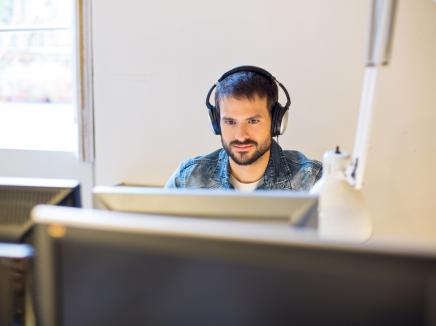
(155, 61)
(401, 174)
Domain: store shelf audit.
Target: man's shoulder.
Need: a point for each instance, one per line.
(297, 158)
(201, 160)
(197, 172)
(297, 171)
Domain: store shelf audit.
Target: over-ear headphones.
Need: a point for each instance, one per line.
(279, 113)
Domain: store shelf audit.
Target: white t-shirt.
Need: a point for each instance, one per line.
(244, 187)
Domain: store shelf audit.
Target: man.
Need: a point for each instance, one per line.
(247, 115)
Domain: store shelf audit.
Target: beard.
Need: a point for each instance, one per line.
(245, 158)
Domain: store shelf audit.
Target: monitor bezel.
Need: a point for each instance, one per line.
(281, 206)
(69, 190)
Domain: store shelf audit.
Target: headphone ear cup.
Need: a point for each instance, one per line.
(214, 121)
(284, 121)
(279, 120)
(274, 114)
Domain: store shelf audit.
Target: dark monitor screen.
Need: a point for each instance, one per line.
(19, 195)
(106, 268)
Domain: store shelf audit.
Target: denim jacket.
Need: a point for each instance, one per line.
(286, 170)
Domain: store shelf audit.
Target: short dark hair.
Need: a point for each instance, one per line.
(247, 84)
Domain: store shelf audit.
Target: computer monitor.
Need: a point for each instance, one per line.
(298, 208)
(19, 195)
(106, 268)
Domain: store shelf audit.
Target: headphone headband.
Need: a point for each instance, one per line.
(256, 70)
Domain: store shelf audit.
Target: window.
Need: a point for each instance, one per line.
(38, 78)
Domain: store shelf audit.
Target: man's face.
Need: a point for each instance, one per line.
(245, 128)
